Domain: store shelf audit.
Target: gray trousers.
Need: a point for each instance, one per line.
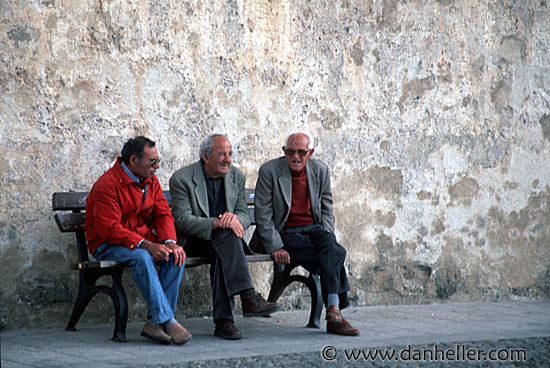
(229, 274)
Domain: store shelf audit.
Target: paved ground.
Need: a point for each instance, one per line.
(464, 334)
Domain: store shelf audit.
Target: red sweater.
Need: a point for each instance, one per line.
(300, 208)
(116, 213)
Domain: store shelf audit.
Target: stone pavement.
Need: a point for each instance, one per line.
(464, 334)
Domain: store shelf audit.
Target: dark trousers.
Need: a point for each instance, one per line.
(316, 249)
(229, 274)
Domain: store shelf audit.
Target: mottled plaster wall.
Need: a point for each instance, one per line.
(434, 117)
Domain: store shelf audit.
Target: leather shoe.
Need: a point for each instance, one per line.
(257, 306)
(227, 330)
(179, 334)
(155, 333)
(333, 313)
(342, 327)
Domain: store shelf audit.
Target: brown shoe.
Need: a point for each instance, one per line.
(179, 334)
(333, 313)
(342, 327)
(227, 330)
(257, 306)
(155, 333)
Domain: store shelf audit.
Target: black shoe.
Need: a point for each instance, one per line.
(227, 330)
(257, 306)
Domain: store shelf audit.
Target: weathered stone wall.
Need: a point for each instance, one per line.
(434, 116)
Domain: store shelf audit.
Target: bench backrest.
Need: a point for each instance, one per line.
(71, 207)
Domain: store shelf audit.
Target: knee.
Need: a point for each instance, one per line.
(143, 258)
(337, 248)
(229, 239)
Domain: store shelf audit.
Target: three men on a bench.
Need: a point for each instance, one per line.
(295, 222)
(128, 220)
(211, 215)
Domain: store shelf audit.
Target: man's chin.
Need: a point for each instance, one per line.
(297, 168)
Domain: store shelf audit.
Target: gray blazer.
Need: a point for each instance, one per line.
(273, 196)
(190, 201)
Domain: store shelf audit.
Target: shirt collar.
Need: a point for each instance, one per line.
(129, 173)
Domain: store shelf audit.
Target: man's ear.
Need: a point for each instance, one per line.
(283, 148)
(133, 160)
(311, 152)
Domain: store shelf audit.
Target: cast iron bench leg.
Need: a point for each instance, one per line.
(86, 291)
(120, 301)
(282, 278)
(314, 286)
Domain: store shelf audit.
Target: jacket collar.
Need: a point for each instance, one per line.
(285, 181)
(201, 193)
(200, 188)
(124, 177)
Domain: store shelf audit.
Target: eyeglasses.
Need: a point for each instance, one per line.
(291, 152)
(154, 161)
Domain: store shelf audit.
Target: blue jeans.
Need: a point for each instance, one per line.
(159, 289)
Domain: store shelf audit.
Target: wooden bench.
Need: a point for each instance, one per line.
(69, 216)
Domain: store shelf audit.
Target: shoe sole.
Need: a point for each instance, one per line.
(266, 313)
(228, 337)
(156, 338)
(342, 333)
(182, 342)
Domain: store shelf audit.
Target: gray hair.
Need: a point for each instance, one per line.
(206, 144)
(310, 138)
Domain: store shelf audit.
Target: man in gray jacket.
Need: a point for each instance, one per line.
(211, 215)
(294, 221)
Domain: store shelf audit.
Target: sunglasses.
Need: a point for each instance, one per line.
(291, 152)
(154, 161)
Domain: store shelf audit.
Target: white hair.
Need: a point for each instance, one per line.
(310, 138)
(206, 144)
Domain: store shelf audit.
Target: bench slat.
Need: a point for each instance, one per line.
(190, 262)
(64, 201)
(94, 265)
(76, 201)
(70, 222)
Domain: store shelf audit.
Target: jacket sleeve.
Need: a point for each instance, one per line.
(162, 216)
(107, 218)
(327, 215)
(268, 235)
(185, 220)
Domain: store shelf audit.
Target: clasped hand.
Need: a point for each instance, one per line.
(229, 221)
(161, 252)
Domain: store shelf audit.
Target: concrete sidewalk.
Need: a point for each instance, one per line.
(283, 334)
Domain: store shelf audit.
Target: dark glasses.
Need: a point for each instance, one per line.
(291, 152)
(154, 161)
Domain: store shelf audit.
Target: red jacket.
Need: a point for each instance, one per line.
(116, 213)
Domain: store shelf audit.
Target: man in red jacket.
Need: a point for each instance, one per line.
(128, 220)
